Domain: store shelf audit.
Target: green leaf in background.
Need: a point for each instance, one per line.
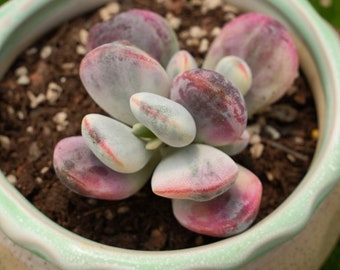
(329, 9)
(333, 262)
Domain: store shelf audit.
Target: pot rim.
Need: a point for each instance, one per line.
(28, 227)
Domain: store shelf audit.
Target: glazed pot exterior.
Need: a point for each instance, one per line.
(298, 234)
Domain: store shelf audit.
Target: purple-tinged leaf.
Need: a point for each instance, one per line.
(113, 72)
(197, 172)
(145, 29)
(228, 214)
(266, 46)
(114, 143)
(217, 106)
(80, 170)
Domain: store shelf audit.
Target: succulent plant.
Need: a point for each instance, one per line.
(173, 122)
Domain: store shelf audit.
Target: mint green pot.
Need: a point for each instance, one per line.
(299, 234)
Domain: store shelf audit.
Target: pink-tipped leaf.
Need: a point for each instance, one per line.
(83, 173)
(114, 143)
(113, 72)
(196, 172)
(226, 215)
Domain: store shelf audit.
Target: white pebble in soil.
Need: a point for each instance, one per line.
(83, 34)
(81, 50)
(60, 119)
(256, 150)
(23, 80)
(53, 92)
(173, 21)
(197, 32)
(204, 45)
(109, 10)
(216, 31)
(12, 179)
(210, 5)
(45, 52)
(5, 142)
(22, 76)
(35, 100)
(21, 71)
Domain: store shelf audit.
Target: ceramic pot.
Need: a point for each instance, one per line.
(298, 234)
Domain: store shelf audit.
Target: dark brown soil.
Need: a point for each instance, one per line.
(29, 132)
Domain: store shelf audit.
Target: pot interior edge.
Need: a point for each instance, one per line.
(37, 18)
(321, 109)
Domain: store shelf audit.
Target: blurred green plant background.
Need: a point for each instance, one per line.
(330, 11)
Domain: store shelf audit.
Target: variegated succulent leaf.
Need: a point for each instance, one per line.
(145, 29)
(111, 73)
(267, 47)
(168, 120)
(197, 172)
(228, 214)
(82, 172)
(114, 143)
(217, 106)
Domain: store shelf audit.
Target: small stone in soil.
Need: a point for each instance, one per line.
(21, 71)
(270, 176)
(44, 170)
(174, 22)
(81, 50)
(123, 210)
(83, 34)
(256, 150)
(5, 142)
(35, 100)
(39, 180)
(30, 130)
(23, 80)
(254, 139)
(12, 179)
(204, 44)
(272, 132)
(20, 115)
(291, 158)
(60, 120)
(70, 65)
(299, 140)
(45, 52)
(109, 10)
(216, 31)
